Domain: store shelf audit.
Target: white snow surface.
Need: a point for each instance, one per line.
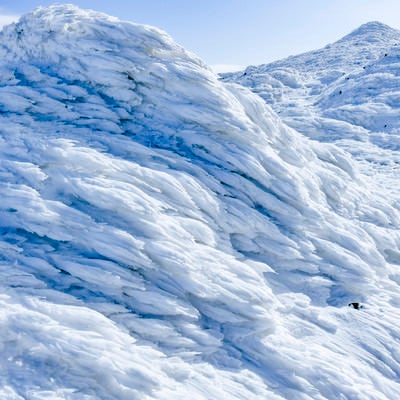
(164, 235)
(348, 92)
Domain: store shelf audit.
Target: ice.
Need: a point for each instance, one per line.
(165, 235)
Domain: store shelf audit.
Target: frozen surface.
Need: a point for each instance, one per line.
(347, 93)
(165, 236)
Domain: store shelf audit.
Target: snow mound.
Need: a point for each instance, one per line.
(165, 235)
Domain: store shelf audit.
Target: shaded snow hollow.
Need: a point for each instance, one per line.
(164, 235)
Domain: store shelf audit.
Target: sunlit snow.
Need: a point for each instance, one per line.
(164, 235)
(348, 92)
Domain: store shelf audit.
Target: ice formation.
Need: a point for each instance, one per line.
(165, 235)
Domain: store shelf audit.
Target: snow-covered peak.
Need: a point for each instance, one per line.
(60, 37)
(312, 85)
(371, 32)
(353, 51)
(165, 235)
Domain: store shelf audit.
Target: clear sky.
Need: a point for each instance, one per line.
(240, 32)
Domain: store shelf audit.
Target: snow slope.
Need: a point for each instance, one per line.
(165, 235)
(347, 92)
(321, 83)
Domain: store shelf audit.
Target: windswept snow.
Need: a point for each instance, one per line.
(165, 235)
(347, 92)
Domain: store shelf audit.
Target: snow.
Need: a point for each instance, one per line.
(165, 235)
(345, 93)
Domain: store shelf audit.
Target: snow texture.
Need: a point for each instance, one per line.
(347, 93)
(164, 235)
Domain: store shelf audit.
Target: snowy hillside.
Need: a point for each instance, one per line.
(347, 92)
(311, 83)
(165, 236)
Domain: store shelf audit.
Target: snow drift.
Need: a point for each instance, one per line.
(165, 235)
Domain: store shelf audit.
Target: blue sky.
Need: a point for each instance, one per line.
(241, 32)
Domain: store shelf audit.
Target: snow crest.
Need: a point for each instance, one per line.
(165, 235)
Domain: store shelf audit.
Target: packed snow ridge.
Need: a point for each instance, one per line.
(164, 235)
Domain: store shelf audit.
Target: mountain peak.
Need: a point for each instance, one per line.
(60, 29)
(63, 12)
(371, 31)
(92, 49)
(373, 26)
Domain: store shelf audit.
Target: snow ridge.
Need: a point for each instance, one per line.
(165, 235)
